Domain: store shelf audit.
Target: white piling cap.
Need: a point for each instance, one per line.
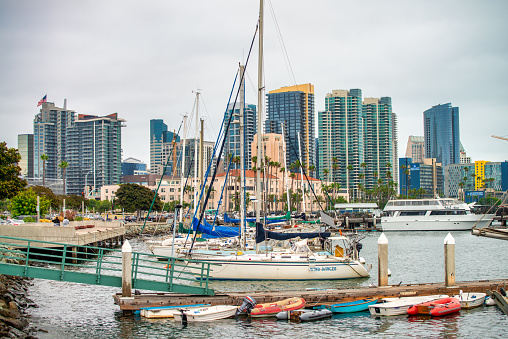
(449, 239)
(382, 239)
(126, 247)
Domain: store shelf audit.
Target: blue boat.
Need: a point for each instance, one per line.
(349, 307)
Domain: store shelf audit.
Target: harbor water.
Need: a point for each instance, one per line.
(70, 310)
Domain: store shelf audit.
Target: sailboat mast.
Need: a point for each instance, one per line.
(242, 161)
(182, 182)
(301, 169)
(260, 111)
(285, 164)
(201, 162)
(196, 154)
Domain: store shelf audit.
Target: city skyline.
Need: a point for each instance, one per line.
(144, 60)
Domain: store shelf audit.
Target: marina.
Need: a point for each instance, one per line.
(419, 268)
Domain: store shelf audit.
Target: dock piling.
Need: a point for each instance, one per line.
(449, 255)
(382, 260)
(126, 269)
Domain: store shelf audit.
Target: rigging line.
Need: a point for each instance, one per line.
(215, 148)
(159, 185)
(305, 174)
(224, 140)
(284, 50)
(207, 114)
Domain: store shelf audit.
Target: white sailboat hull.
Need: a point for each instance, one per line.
(435, 223)
(266, 268)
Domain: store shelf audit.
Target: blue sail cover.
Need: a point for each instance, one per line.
(262, 234)
(208, 231)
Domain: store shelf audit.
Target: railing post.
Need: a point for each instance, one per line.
(382, 260)
(126, 269)
(449, 256)
(62, 271)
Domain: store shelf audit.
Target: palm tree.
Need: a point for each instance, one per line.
(44, 157)
(326, 172)
(63, 165)
(361, 176)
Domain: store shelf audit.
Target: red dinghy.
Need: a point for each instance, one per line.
(271, 309)
(436, 308)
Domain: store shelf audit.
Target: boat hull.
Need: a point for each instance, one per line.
(436, 308)
(471, 300)
(166, 311)
(500, 300)
(265, 268)
(351, 307)
(207, 313)
(435, 223)
(398, 306)
(272, 309)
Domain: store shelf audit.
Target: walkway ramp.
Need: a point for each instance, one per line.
(99, 266)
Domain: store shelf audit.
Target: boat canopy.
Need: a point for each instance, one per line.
(209, 231)
(262, 234)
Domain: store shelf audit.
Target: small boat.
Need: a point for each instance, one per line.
(471, 300)
(271, 309)
(205, 313)
(500, 298)
(436, 308)
(350, 307)
(304, 314)
(166, 311)
(399, 306)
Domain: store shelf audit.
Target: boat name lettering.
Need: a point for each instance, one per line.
(324, 268)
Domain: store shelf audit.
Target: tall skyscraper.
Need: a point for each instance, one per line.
(293, 106)
(50, 138)
(94, 152)
(26, 151)
(233, 138)
(132, 166)
(380, 137)
(341, 138)
(159, 135)
(441, 134)
(357, 137)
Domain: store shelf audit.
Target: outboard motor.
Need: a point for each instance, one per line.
(184, 316)
(359, 247)
(502, 291)
(248, 304)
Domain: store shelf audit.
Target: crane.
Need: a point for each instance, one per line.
(497, 137)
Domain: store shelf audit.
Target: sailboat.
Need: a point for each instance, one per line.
(299, 262)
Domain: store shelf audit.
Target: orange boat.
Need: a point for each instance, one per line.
(436, 308)
(271, 309)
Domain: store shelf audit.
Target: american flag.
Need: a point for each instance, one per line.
(44, 99)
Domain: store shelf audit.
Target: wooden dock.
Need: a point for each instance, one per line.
(313, 296)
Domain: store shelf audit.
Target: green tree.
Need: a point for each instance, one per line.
(25, 203)
(10, 181)
(134, 197)
(63, 165)
(55, 201)
(103, 206)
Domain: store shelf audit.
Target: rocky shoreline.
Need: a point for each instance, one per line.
(14, 303)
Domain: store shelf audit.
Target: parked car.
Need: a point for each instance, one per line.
(130, 218)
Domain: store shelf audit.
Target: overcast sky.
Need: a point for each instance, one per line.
(144, 59)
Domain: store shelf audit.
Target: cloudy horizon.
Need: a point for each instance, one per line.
(144, 60)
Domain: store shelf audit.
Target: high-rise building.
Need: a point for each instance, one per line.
(464, 159)
(441, 134)
(415, 148)
(341, 138)
(477, 176)
(380, 137)
(159, 136)
(94, 152)
(131, 166)
(208, 147)
(26, 151)
(51, 128)
(233, 138)
(271, 145)
(293, 106)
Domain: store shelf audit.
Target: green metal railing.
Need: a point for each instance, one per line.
(100, 266)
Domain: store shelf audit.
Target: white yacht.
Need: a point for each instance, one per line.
(441, 214)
